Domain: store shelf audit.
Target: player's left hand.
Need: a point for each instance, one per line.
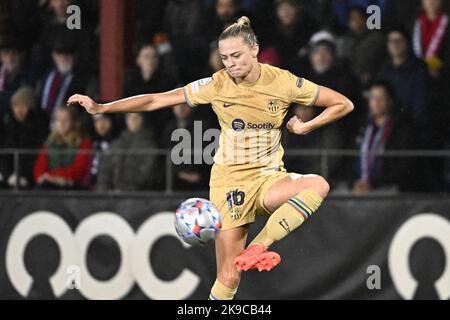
(297, 126)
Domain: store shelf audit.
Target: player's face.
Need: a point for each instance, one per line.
(237, 56)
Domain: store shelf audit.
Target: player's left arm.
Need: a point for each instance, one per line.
(336, 106)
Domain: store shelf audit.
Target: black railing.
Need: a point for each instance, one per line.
(324, 154)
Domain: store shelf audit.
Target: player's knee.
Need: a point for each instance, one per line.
(322, 186)
(229, 278)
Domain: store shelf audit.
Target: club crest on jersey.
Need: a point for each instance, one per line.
(273, 105)
(235, 213)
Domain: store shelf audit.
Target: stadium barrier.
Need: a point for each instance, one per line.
(324, 157)
(81, 245)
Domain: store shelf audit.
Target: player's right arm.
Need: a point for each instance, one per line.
(140, 103)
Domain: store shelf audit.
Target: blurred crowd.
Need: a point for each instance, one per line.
(398, 77)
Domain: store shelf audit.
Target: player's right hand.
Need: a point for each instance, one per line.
(86, 102)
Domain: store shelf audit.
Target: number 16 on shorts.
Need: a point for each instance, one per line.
(235, 198)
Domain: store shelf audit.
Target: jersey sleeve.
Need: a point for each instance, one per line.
(303, 91)
(200, 92)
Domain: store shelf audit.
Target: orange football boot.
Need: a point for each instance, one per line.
(256, 256)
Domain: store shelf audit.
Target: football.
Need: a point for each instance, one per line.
(197, 221)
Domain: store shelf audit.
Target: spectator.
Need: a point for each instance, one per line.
(324, 69)
(62, 81)
(149, 17)
(63, 162)
(13, 73)
(432, 37)
(401, 13)
(408, 77)
(187, 176)
(329, 137)
(215, 62)
(342, 8)
(24, 128)
(166, 57)
(103, 137)
(294, 28)
(432, 44)
(385, 131)
(324, 13)
(184, 20)
(122, 167)
(224, 14)
(148, 77)
(55, 30)
(363, 48)
(24, 17)
(270, 56)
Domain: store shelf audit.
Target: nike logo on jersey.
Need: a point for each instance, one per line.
(227, 105)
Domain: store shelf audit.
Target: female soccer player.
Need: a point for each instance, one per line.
(248, 175)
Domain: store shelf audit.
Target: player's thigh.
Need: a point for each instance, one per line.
(229, 244)
(284, 189)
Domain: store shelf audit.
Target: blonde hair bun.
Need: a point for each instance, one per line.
(241, 28)
(244, 21)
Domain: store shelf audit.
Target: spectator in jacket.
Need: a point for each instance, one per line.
(13, 73)
(384, 131)
(294, 27)
(63, 80)
(401, 13)
(122, 167)
(103, 137)
(431, 42)
(184, 21)
(145, 77)
(325, 69)
(224, 14)
(409, 79)
(64, 160)
(343, 8)
(187, 176)
(215, 62)
(363, 48)
(55, 30)
(25, 127)
(432, 37)
(330, 137)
